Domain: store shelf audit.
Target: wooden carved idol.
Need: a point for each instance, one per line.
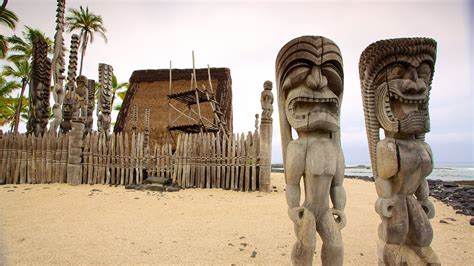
(396, 79)
(309, 77)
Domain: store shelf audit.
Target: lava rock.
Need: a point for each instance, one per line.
(158, 180)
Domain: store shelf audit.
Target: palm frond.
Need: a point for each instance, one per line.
(8, 18)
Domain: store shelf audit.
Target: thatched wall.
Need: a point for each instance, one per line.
(149, 89)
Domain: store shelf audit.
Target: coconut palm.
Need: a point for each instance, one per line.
(8, 110)
(23, 46)
(6, 101)
(119, 89)
(21, 56)
(7, 87)
(9, 19)
(21, 71)
(87, 23)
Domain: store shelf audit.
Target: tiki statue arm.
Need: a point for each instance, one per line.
(294, 169)
(337, 192)
(387, 167)
(423, 191)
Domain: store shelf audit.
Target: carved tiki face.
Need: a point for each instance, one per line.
(400, 72)
(402, 96)
(68, 106)
(82, 86)
(396, 77)
(310, 83)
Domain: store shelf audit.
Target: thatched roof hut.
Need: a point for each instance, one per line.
(150, 88)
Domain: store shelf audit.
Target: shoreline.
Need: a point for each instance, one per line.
(459, 195)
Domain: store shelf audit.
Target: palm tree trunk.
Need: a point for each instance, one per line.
(83, 51)
(20, 104)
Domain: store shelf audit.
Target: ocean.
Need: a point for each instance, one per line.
(443, 172)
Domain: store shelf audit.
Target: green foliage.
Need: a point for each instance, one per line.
(119, 89)
(87, 23)
(20, 70)
(23, 46)
(7, 87)
(9, 19)
(8, 107)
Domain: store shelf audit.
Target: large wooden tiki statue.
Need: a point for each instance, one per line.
(39, 88)
(396, 81)
(70, 105)
(58, 67)
(309, 77)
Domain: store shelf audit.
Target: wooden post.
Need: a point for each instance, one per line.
(169, 160)
(174, 177)
(64, 157)
(44, 144)
(3, 140)
(122, 158)
(8, 159)
(141, 157)
(228, 162)
(31, 145)
(13, 161)
(207, 154)
(242, 162)
(23, 155)
(132, 159)
(57, 163)
(38, 166)
(86, 155)
(212, 161)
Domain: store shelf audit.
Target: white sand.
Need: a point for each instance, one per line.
(61, 224)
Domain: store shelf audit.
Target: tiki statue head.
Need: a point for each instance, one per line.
(310, 84)
(396, 77)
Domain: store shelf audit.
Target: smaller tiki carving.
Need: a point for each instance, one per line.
(105, 98)
(396, 80)
(82, 97)
(134, 121)
(309, 77)
(146, 129)
(90, 105)
(257, 123)
(266, 100)
(70, 111)
(39, 88)
(266, 135)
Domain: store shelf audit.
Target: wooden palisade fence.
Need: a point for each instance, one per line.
(203, 160)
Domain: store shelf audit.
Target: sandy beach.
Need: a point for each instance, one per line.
(62, 224)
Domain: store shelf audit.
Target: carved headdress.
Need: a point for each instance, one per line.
(373, 61)
(298, 57)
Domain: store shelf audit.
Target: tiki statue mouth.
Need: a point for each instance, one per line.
(303, 107)
(313, 110)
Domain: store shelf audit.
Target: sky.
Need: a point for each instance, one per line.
(246, 36)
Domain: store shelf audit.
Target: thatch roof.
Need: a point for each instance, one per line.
(150, 88)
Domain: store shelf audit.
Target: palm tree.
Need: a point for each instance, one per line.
(23, 46)
(119, 89)
(8, 110)
(21, 71)
(9, 19)
(21, 59)
(87, 23)
(7, 87)
(6, 101)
